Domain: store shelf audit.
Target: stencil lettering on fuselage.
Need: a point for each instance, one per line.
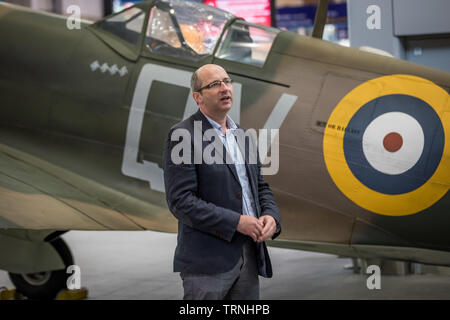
(150, 171)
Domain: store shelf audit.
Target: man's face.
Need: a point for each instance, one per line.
(214, 100)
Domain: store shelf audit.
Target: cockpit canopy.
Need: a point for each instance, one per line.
(191, 31)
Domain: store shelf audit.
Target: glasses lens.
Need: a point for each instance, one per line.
(214, 84)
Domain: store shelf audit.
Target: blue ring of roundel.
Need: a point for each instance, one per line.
(426, 165)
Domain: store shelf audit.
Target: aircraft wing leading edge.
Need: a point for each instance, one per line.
(35, 194)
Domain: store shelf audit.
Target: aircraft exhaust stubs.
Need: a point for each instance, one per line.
(397, 163)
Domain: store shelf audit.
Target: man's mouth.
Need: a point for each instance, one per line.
(226, 99)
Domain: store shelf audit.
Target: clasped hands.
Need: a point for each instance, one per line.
(258, 229)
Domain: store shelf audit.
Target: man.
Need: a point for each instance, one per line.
(225, 211)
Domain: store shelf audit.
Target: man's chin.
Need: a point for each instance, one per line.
(227, 106)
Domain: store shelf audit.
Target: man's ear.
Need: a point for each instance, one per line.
(197, 97)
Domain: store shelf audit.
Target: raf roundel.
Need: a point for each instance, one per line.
(391, 157)
(393, 142)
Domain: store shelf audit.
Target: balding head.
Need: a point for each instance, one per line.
(199, 75)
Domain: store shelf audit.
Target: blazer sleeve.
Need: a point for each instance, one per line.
(181, 194)
(267, 201)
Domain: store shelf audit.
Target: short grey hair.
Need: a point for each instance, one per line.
(195, 82)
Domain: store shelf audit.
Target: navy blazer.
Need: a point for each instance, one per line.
(207, 201)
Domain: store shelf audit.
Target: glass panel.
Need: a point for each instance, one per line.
(247, 43)
(126, 25)
(161, 27)
(185, 29)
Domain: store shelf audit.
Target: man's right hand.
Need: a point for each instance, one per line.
(250, 226)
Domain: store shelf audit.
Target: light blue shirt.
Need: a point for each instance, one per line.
(232, 147)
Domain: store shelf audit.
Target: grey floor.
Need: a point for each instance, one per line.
(138, 265)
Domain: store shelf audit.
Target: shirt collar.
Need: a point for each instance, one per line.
(230, 123)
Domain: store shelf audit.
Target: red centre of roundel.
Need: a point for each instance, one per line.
(393, 142)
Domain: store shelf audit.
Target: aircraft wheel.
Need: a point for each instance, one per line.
(45, 285)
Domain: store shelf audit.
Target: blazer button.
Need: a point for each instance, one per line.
(239, 195)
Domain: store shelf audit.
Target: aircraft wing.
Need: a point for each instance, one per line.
(36, 194)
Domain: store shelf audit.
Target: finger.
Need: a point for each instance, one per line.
(271, 231)
(268, 232)
(263, 238)
(267, 224)
(260, 222)
(268, 227)
(259, 229)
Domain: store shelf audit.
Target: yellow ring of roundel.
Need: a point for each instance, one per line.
(333, 146)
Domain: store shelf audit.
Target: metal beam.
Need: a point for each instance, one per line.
(320, 19)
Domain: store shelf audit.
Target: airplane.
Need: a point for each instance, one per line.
(363, 162)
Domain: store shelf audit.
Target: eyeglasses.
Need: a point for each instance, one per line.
(216, 84)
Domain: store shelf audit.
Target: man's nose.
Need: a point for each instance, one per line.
(224, 87)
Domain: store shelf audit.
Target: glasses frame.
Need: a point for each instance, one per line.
(226, 81)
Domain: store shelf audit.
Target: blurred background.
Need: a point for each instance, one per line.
(413, 30)
(293, 15)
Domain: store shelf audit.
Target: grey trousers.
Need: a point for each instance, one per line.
(240, 283)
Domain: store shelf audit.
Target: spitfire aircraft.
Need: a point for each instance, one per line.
(363, 152)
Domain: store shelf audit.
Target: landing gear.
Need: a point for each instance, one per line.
(45, 285)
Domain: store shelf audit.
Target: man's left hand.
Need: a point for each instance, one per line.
(270, 226)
